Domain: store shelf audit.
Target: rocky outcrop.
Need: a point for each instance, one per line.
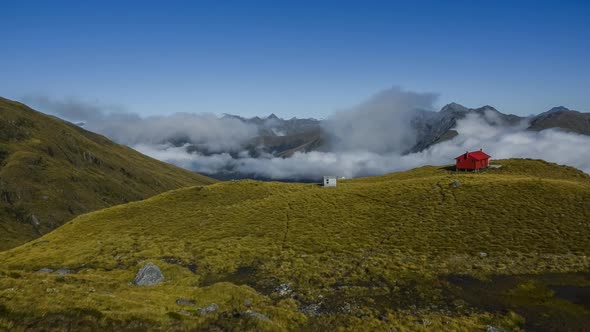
(148, 275)
(185, 302)
(209, 309)
(255, 314)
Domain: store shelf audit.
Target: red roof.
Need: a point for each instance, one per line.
(477, 155)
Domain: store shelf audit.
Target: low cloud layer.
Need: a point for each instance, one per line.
(475, 132)
(368, 139)
(204, 130)
(380, 124)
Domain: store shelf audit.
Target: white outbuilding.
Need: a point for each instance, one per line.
(330, 181)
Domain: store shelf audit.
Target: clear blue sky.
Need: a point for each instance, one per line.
(296, 58)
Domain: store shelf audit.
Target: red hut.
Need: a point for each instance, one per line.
(472, 160)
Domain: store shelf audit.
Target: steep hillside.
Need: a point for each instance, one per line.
(52, 171)
(423, 250)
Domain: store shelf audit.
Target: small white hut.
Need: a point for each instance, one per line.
(330, 181)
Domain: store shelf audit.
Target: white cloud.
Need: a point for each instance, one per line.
(204, 130)
(370, 139)
(474, 133)
(380, 124)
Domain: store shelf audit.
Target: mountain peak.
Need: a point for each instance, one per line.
(559, 109)
(486, 108)
(232, 116)
(272, 116)
(454, 108)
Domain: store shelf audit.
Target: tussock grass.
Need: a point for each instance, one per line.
(381, 247)
(52, 171)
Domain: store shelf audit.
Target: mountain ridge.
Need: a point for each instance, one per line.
(433, 127)
(52, 170)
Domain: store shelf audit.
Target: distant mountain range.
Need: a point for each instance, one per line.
(436, 127)
(561, 117)
(282, 138)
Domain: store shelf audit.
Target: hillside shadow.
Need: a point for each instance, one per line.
(450, 168)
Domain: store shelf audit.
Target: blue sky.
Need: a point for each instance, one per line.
(296, 58)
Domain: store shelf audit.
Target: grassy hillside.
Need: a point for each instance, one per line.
(410, 251)
(52, 171)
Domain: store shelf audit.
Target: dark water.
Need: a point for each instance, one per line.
(573, 294)
(548, 302)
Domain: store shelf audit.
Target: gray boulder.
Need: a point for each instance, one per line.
(311, 310)
(250, 313)
(184, 302)
(148, 275)
(284, 289)
(494, 329)
(209, 309)
(426, 322)
(184, 312)
(45, 270)
(346, 308)
(34, 220)
(63, 271)
(455, 184)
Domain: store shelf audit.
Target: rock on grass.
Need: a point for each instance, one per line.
(148, 275)
(184, 302)
(209, 309)
(284, 289)
(255, 314)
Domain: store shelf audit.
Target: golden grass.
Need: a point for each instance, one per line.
(364, 243)
(52, 171)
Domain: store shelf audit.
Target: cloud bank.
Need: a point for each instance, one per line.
(369, 139)
(204, 130)
(381, 124)
(474, 133)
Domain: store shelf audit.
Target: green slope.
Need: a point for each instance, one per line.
(52, 171)
(406, 251)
